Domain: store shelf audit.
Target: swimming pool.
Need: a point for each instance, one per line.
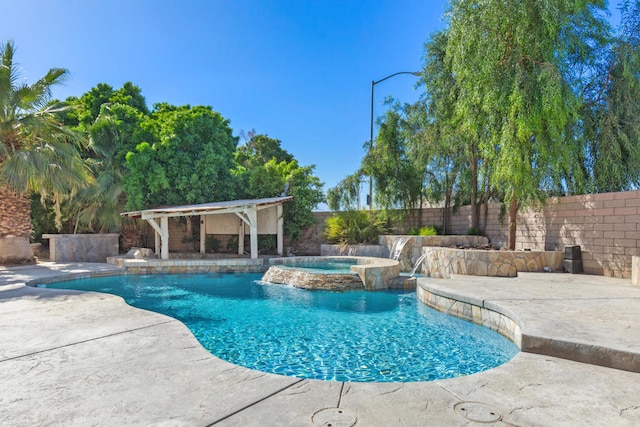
(341, 336)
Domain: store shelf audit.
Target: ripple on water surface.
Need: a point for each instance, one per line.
(341, 336)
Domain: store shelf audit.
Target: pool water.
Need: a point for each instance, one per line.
(342, 336)
(322, 267)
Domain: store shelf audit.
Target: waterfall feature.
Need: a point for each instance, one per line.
(398, 246)
(417, 264)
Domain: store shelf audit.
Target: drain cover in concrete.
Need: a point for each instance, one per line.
(478, 412)
(334, 417)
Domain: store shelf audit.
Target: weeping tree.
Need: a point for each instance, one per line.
(452, 157)
(37, 152)
(610, 125)
(510, 62)
(346, 194)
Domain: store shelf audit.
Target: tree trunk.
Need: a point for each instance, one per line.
(15, 228)
(513, 212)
(475, 208)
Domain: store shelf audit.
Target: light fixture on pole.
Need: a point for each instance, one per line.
(373, 83)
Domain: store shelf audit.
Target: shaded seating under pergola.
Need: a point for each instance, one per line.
(257, 216)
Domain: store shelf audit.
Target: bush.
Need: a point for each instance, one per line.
(354, 227)
(268, 244)
(232, 244)
(424, 231)
(211, 244)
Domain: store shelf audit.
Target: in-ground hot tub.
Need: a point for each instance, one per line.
(333, 273)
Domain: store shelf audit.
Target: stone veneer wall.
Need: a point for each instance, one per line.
(443, 262)
(82, 247)
(412, 250)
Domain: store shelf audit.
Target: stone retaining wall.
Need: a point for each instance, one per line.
(443, 262)
(412, 250)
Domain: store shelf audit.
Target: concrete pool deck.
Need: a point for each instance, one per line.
(78, 358)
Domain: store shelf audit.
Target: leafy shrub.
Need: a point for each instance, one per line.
(232, 244)
(353, 227)
(211, 244)
(268, 244)
(424, 231)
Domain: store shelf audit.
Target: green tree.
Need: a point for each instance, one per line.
(346, 194)
(116, 131)
(395, 162)
(509, 60)
(111, 119)
(611, 111)
(455, 163)
(188, 159)
(266, 170)
(259, 150)
(37, 152)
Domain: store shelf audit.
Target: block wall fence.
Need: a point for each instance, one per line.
(606, 226)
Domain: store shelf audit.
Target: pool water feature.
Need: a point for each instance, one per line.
(316, 273)
(341, 336)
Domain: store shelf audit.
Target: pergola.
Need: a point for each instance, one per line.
(259, 216)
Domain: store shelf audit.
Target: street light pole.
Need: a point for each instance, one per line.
(373, 83)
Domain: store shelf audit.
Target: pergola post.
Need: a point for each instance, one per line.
(280, 237)
(252, 215)
(164, 226)
(203, 233)
(161, 230)
(156, 235)
(241, 237)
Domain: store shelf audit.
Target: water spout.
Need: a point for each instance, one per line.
(398, 246)
(417, 264)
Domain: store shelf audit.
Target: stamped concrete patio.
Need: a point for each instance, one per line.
(78, 358)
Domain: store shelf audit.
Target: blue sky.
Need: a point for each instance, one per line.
(299, 71)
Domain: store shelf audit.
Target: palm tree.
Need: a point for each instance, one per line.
(37, 153)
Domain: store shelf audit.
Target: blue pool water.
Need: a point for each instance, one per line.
(323, 267)
(341, 336)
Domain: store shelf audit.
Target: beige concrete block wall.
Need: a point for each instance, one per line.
(606, 226)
